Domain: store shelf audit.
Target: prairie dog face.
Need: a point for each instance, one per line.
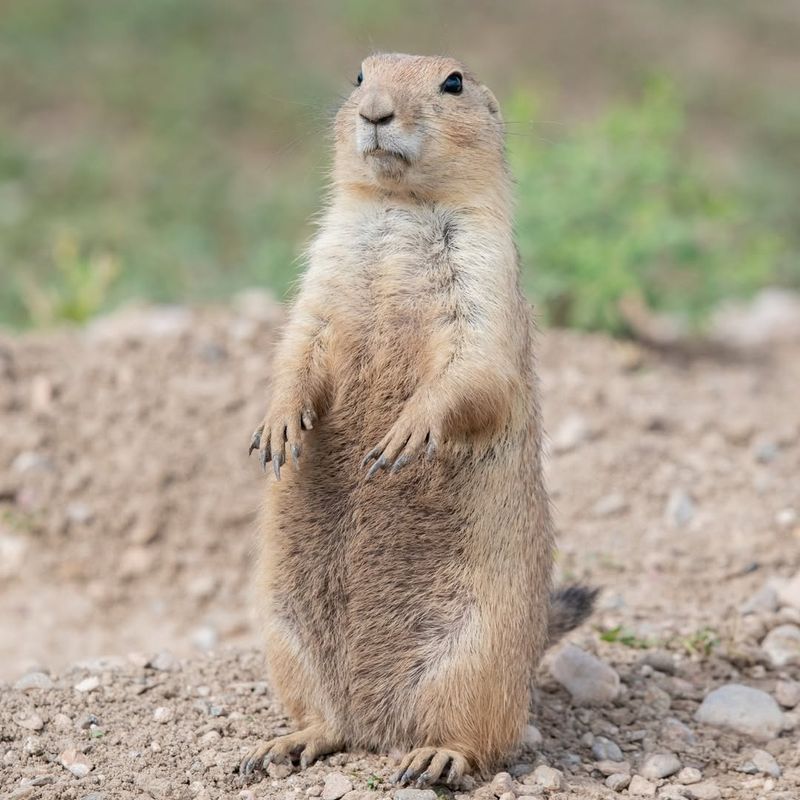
(418, 125)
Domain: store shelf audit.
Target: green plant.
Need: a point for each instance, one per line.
(618, 210)
(79, 289)
(700, 643)
(373, 783)
(620, 635)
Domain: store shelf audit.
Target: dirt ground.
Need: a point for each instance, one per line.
(127, 523)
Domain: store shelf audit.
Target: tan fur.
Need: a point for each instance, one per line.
(408, 610)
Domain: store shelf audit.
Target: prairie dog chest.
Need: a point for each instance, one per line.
(400, 264)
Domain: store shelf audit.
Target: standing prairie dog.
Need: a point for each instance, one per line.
(405, 569)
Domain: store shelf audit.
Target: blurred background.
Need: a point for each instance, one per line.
(175, 150)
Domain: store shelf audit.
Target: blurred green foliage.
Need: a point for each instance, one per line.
(618, 209)
(175, 149)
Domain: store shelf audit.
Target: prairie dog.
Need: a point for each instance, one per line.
(405, 570)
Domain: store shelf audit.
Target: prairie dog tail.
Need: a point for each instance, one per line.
(569, 607)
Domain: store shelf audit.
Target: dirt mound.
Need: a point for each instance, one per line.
(127, 507)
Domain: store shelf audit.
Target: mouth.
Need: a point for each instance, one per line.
(384, 154)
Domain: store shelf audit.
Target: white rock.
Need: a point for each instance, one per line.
(76, 763)
(660, 765)
(501, 784)
(549, 778)
(531, 737)
(680, 508)
(164, 662)
(618, 781)
(689, 775)
(414, 794)
(336, 786)
(31, 722)
(33, 680)
(163, 714)
(641, 787)
(786, 517)
(764, 762)
(787, 693)
(604, 749)
(743, 709)
(671, 791)
(205, 638)
(589, 680)
(789, 593)
(87, 684)
(573, 431)
(708, 790)
(782, 646)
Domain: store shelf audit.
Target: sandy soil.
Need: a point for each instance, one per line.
(127, 508)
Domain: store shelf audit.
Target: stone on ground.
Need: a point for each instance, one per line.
(589, 680)
(336, 786)
(743, 709)
(781, 646)
(660, 765)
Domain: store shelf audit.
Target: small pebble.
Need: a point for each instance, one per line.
(766, 763)
(548, 777)
(782, 646)
(660, 765)
(501, 784)
(336, 786)
(88, 684)
(31, 722)
(689, 775)
(660, 660)
(618, 781)
(76, 763)
(33, 680)
(641, 787)
(787, 693)
(604, 749)
(164, 662)
(415, 794)
(589, 680)
(708, 790)
(163, 714)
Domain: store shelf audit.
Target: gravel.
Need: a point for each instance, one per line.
(604, 749)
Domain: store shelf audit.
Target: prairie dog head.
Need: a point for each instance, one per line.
(419, 126)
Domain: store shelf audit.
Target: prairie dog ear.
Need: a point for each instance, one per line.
(491, 102)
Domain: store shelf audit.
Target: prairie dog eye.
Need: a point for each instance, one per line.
(360, 78)
(453, 83)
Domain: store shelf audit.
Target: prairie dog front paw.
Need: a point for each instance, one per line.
(280, 431)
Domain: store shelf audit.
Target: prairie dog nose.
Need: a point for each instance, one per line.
(377, 108)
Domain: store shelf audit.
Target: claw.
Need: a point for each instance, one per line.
(307, 420)
(265, 457)
(255, 441)
(296, 456)
(400, 462)
(374, 453)
(379, 464)
(277, 462)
